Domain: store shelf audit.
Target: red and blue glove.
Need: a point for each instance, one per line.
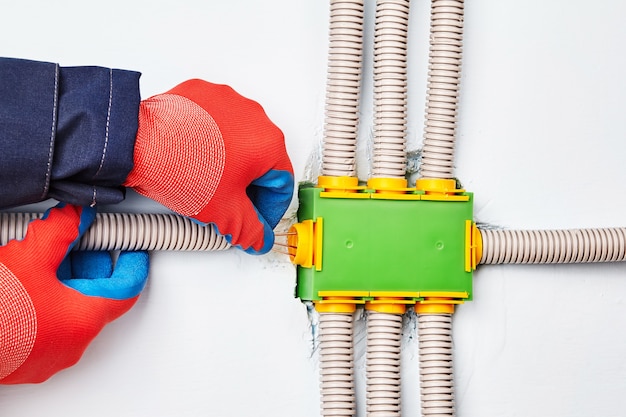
(52, 302)
(208, 153)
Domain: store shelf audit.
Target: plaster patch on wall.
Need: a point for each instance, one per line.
(313, 166)
(314, 321)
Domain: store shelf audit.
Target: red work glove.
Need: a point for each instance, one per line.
(45, 323)
(210, 154)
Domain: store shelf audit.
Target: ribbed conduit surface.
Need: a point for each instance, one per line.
(336, 365)
(126, 231)
(435, 358)
(384, 332)
(446, 39)
(553, 246)
(390, 88)
(345, 58)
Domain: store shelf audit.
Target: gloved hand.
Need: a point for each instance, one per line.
(48, 320)
(210, 154)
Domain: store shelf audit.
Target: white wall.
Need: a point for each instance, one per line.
(540, 144)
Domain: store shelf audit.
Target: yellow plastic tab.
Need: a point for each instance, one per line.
(444, 294)
(395, 294)
(477, 244)
(318, 237)
(473, 246)
(468, 245)
(344, 294)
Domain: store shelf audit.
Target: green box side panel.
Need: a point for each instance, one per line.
(386, 245)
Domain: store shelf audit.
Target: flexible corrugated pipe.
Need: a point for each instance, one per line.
(384, 336)
(126, 231)
(129, 231)
(553, 246)
(390, 88)
(446, 33)
(337, 365)
(435, 330)
(384, 329)
(436, 371)
(345, 57)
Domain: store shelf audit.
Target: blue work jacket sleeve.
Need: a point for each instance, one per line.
(66, 133)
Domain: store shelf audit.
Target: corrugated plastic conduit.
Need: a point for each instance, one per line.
(337, 364)
(444, 75)
(553, 246)
(384, 329)
(384, 336)
(129, 231)
(390, 88)
(343, 84)
(435, 329)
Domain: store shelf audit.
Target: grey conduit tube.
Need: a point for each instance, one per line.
(436, 365)
(435, 330)
(384, 336)
(337, 365)
(444, 75)
(390, 88)
(384, 330)
(126, 231)
(345, 57)
(553, 246)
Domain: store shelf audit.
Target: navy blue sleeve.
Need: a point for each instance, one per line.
(66, 133)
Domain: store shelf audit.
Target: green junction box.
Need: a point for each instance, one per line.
(369, 244)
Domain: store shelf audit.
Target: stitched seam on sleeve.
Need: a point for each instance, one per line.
(108, 123)
(52, 133)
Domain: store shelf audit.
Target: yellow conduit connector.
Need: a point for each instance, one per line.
(343, 305)
(338, 187)
(435, 305)
(388, 185)
(304, 242)
(389, 305)
(440, 189)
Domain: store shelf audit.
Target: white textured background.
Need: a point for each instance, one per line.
(541, 144)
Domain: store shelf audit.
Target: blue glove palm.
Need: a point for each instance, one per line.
(93, 273)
